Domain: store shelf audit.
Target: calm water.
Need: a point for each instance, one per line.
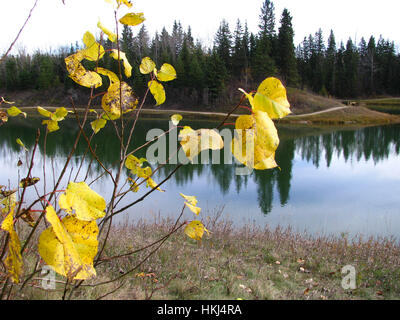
(330, 182)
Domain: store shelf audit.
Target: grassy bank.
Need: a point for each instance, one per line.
(249, 263)
(387, 105)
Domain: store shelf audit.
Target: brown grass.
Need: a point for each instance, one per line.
(248, 263)
(347, 116)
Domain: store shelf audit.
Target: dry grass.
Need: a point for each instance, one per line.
(347, 116)
(303, 102)
(248, 263)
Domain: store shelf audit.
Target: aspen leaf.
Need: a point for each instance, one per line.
(193, 142)
(44, 112)
(125, 2)
(111, 75)
(21, 144)
(112, 104)
(59, 114)
(86, 203)
(158, 92)
(69, 246)
(133, 185)
(166, 73)
(144, 173)
(195, 230)
(94, 51)
(258, 131)
(111, 35)
(27, 182)
(28, 218)
(13, 261)
(14, 111)
(176, 118)
(191, 199)
(79, 74)
(147, 65)
(132, 19)
(271, 98)
(152, 184)
(98, 124)
(193, 208)
(122, 56)
(134, 164)
(120, 2)
(52, 125)
(3, 116)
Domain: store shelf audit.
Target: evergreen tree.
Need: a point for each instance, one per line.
(223, 44)
(287, 58)
(330, 64)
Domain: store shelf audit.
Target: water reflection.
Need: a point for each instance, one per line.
(321, 149)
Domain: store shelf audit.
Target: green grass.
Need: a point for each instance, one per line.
(249, 263)
(383, 101)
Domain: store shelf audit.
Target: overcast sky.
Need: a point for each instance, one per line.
(54, 24)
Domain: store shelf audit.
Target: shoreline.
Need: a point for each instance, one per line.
(335, 117)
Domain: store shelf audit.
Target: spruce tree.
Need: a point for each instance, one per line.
(287, 58)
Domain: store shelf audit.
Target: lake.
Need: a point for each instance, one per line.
(330, 182)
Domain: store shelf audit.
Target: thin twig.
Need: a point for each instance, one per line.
(20, 30)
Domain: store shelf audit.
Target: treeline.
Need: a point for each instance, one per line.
(238, 58)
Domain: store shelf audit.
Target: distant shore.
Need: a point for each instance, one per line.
(342, 116)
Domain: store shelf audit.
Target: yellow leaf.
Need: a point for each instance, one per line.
(119, 3)
(44, 112)
(111, 101)
(152, 184)
(144, 173)
(134, 164)
(111, 35)
(195, 230)
(3, 116)
(271, 98)
(122, 56)
(158, 92)
(147, 65)
(193, 142)
(21, 144)
(257, 142)
(98, 124)
(132, 19)
(166, 73)
(79, 74)
(111, 75)
(133, 185)
(14, 111)
(94, 51)
(59, 114)
(52, 125)
(125, 2)
(176, 118)
(193, 208)
(191, 199)
(86, 203)
(69, 246)
(13, 261)
(249, 96)
(9, 200)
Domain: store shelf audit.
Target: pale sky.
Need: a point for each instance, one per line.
(54, 24)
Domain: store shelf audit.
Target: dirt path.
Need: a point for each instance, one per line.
(319, 112)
